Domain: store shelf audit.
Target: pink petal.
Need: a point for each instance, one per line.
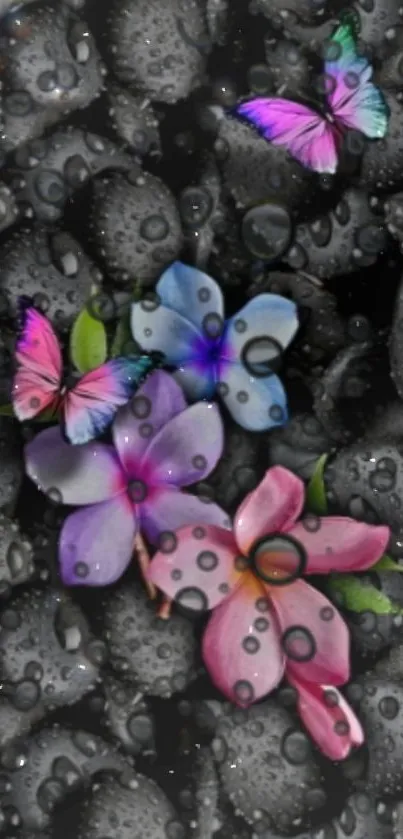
(272, 507)
(196, 566)
(155, 403)
(188, 447)
(337, 543)
(74, 475)
(329, 719)
(315, 638)
(96, 543)
(167, 509)
(242, 647)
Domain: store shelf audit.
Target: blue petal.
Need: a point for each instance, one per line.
(255, 404)
(160, 328)
(196, 380)
(191, 293)
(266, 316)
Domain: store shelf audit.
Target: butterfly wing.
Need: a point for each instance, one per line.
(92, 404)
(37, 380)
(306, 135)
(355, 101)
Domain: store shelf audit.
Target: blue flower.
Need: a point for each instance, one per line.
(235, 358)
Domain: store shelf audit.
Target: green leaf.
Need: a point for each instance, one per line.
(357, 594)
(88, 343)
(45, 416)
(7, 411)
(316, 500)
(123, 342)
(386, 563)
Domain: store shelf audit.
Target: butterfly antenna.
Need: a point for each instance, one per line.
(157, 357)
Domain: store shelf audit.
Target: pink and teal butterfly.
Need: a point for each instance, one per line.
(90, 404)
(353, 102)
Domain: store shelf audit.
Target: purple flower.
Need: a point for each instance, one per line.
(236, 358)
(160, 445)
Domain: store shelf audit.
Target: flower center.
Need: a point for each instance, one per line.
(278, 559)
(137, 490)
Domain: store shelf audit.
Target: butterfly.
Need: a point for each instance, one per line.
(89, 405)
(353, 102)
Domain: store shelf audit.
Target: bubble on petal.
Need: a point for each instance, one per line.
(299, 644)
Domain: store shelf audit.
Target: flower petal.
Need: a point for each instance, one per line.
(159, 328)
(96, 544)
(270, 508)
(190, 292)
(338, 543)
(157, 401)
(241, 645)
(266, 316)
(73, 474)
(329, 719)
(256, 404)
(314, 636)
(196, 566)
(188, 447)
(167, 508)
(197, 380)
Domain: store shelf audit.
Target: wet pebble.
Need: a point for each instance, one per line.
(52, 68)
(45, 173)
(49, 657)
(382, 161)
(11, 462)
(298, 445)
(47, 767)
(135, 121)
(378, 704)
(324, 327)
(136, 228)
(347, 239)
(128, 717)
(256, 172)
(157, 655)
(266, 766)
(16, 555)
(50, 268)
(158, 48)
(364, 480)
(136, 810)
(238, 472)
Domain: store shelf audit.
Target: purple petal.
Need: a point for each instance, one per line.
(75, 475)
(191, 293)
(167, 509)
(187, 448)
(156, 402)
(96, 544)
(255, 404)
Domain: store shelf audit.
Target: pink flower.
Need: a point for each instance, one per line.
(267, 621)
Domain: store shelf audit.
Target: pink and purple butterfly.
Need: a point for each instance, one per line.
(353, 102)
(88, 406)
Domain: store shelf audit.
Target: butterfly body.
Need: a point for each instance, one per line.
(86, 404)
(353, 102)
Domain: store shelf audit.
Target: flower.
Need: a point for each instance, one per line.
(160, 445)
(267, 620)
(236, 358)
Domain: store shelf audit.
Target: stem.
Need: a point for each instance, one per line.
(164, 611)
(143, 559)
